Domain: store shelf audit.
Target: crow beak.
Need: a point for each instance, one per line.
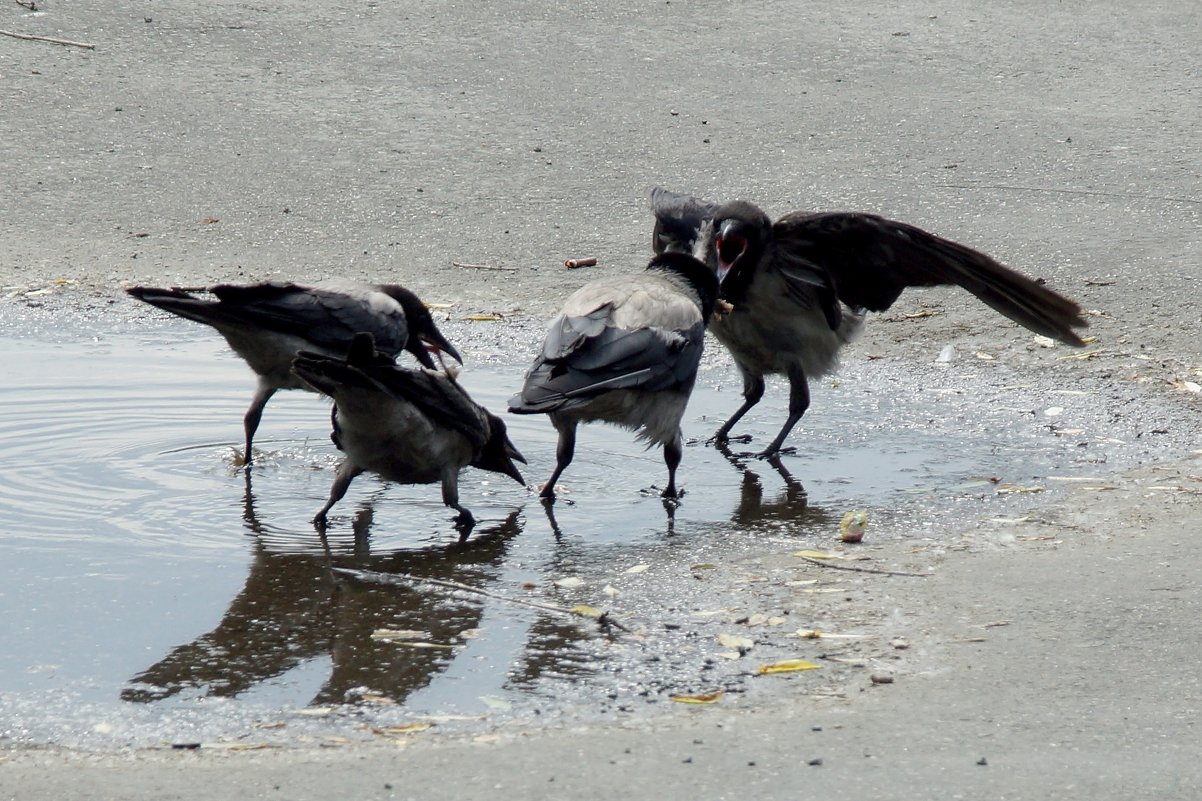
(434, 342)
(730, 248)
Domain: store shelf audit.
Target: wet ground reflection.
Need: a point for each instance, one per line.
(154, 591)
(294, 608)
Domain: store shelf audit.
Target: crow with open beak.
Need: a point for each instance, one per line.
(624, 350)
(268, 323)
(800, 287)
(409, 426)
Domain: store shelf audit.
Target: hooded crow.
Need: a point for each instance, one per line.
(624, 350)
(409, 426)
(268, 323)
(801, 286)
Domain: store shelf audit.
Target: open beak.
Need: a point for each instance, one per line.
(730, 248)
(434, 342)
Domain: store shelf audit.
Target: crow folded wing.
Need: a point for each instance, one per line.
(326, 318)
(646, 359)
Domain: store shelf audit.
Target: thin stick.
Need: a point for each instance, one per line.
(33, 38)
(822, 563)
(484, 267)
(402, 578)
(572, 264)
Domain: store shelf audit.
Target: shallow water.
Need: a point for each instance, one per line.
(153, 591)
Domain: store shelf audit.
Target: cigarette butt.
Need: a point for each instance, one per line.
(572, 264)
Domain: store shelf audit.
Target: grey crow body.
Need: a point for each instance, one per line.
(801, 286)
(409, 426)
(624, 350)
(268, 323)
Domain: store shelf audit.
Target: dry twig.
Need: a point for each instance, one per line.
(572, 264)
(33, 38)
(483, 267)
(822, 563)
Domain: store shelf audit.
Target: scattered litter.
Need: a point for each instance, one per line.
(736, 641)
(569, 583)
(817, 555)
(1053, 411)
(819, 634)
(638, 569)
(787, 666)
(402, 729)
(853, 525)
(1015, 489)
(389, 635)
(699, 698)
(946, 355)
(880, 679)
(379, 699)
(1044, 342)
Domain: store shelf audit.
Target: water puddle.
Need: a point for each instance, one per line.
(154, 592)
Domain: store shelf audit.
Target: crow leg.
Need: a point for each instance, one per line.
(673, 451)
(799, 401)
(450, 496)
(753, 390)
(250, 423)
(563, 455)
(342, 481)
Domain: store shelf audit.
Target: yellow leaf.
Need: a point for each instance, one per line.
(404, 728)
(1015, 489)
(584, 610)
(817, 555)
(700, 698)
(787, 666)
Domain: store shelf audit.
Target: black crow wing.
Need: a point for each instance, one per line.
(611, 358)
(328, 318)
(869, 260)
(437, 396)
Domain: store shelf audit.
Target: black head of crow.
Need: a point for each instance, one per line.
(800, 286)
(624, 350)
(408, 426)
(268, 323)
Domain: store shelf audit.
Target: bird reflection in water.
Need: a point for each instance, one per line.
(790, 506)
(292, 611)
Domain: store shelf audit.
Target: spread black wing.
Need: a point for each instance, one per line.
(869, 260)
